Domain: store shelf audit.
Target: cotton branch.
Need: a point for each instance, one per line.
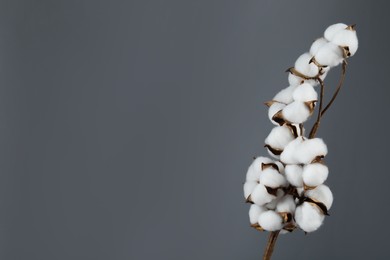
(289, 192)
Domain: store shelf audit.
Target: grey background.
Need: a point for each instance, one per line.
(126, 127)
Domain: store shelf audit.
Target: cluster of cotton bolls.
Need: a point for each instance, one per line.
(288, 191)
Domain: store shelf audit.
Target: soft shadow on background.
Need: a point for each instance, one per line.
(126, 127)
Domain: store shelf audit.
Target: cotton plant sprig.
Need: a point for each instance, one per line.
(288, 192)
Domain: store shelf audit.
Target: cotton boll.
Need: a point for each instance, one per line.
(296, 112)
(310, 149)
(254, 170)
(279, 196)
(322, 194)
(315, 174)
(305, 92)
(288, 154)
(260, 195)
(272, 204)
(304, 66)
(308, 217)
(259, 161)
(293, 174)
(254, 213)
(331, 31)
(270, 221)
(347, 38)
(249, 186)
(317, 44)
(272, 178)
(294, 80)
(251, 174)
(285, 95)
(273, 109)
(329, 55)
(286, 204)
(279, 137)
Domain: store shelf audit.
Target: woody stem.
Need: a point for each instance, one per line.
(317, 123)
(341, 81)
(273, 236)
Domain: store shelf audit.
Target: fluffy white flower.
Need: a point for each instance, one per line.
(347, 38)
(297, 112)
(288, 154)
(305, 92)
(285, 95)
(272, 178)
(309, 149)
(254, 170)
(308, 217)
(279, 137)
(293, 174)
(254, 213)
(321, 194)
(315, 174)
(270, 221)
(273, 109)
(286, 204)
(304, 66)
(329, 55)
(249, 186)
(333, 29)
(260, 195)
(317, 44)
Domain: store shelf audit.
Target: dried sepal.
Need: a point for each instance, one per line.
(286, 216)
(269, 103)
(278, 118)
(249, 200)
(319, 159)
(314, 61)
(257, 227)
(290, 227)
(274, 151)
(346, 52)
(293, 129)
(272, 191)
(268, 165)
(318, 204)
(351, 27)
(311, 105)
(295, 72)
(301, 128)
(307, 187)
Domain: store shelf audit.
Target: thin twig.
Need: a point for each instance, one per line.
(342, 77)
(317, 123)
(273, 236)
